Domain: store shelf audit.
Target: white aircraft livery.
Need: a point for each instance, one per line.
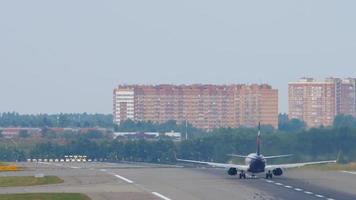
(256, 163)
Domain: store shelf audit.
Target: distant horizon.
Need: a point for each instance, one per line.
(176, 84)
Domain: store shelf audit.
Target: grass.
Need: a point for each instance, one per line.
(45, 196)
(4, 164)
(13, 181)
(334, 167)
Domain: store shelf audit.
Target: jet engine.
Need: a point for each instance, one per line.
(277, 172)
(232, 171)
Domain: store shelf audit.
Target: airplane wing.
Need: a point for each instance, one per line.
(295, 165)
(218, 165)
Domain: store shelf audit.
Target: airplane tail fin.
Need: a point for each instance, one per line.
(259, 139)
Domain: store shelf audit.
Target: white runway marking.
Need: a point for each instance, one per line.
(126, 180)
(299, 189)
(123, 178)
(349, 172)
(135, 184)
(160, 196)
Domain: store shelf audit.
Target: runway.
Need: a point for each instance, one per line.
(103, 181)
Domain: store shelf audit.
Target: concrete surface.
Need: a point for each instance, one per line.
(133, 181)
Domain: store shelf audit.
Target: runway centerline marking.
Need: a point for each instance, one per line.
(123, 178)
(136, 185)
(160, 196)
(299, 189)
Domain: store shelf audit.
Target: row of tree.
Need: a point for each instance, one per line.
(171, 125)
(314, 144)
(13, 119)
(344, 121)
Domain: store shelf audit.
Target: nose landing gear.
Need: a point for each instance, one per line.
(242, 175)
(269, 175)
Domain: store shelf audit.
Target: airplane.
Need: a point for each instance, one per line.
(256, 163)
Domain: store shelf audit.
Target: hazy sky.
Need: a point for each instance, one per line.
(67, 56)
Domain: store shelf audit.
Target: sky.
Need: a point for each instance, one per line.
(67, 56)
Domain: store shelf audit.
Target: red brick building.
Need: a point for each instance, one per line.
(318, 102)
(204, 106)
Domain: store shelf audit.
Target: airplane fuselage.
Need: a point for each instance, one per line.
(256, 163)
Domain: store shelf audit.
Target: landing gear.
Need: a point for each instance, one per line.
(242, 175)
(253, 176)
(269, 175)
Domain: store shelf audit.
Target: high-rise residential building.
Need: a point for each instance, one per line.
(318, 102)
(204, 106)
(347, 105)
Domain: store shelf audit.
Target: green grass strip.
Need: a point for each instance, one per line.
(44, 196)
(334, 167)
(13, 181)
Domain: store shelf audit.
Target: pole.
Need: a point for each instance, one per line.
(186, 129)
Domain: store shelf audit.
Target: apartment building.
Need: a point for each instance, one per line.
(204, 106)
(318, 102)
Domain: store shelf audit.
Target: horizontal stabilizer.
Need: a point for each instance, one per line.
(235, 155)
(278, 156)
(266, 157)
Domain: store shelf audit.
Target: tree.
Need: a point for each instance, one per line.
(282, 120)
(93, 134)
(24, 134)
(344, 121)
(63, 120)
(267, 129)
(292, 125)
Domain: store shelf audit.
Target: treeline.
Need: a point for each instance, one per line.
(112, 150)
(135, 150)
(314, 144)
(171, 125)
(341, 121)
(13, 119)
(290, 125)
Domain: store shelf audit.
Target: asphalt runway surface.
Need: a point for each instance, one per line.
(104, 181)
